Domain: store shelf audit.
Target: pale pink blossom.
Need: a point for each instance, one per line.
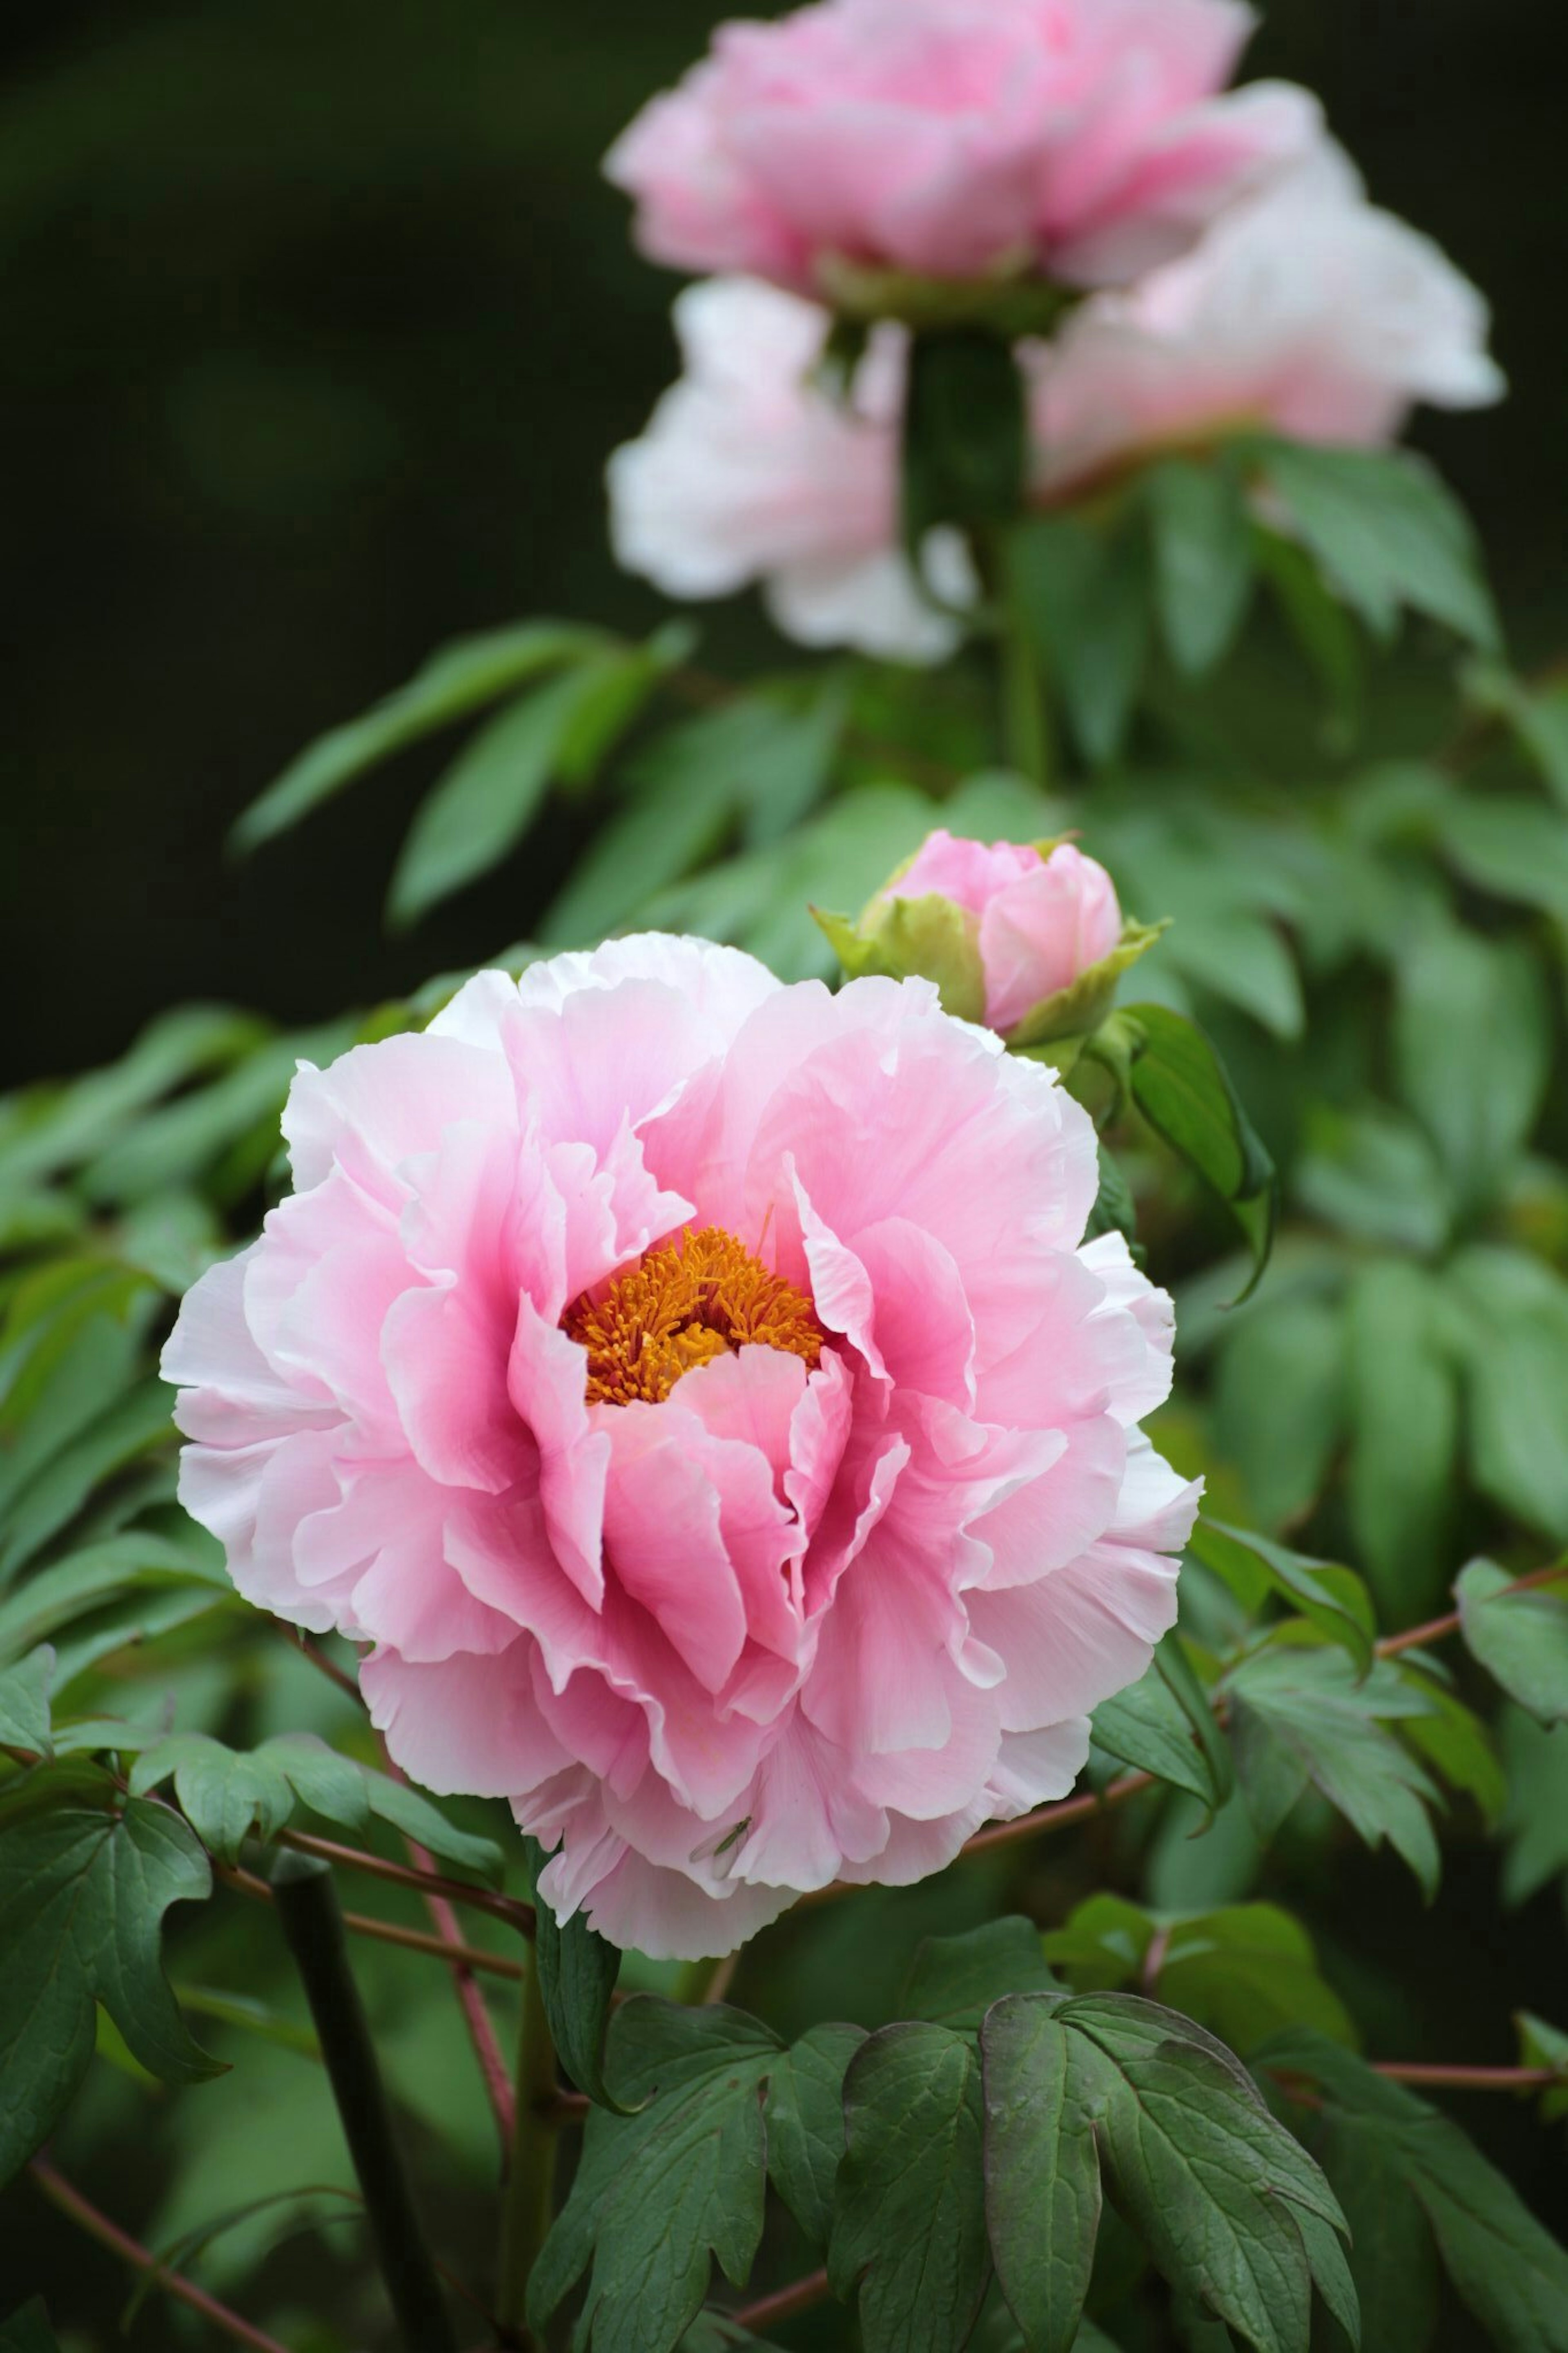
(804, 1582)
(1039, 922)
(1305, 311)
(750, 470)
(1081, 140)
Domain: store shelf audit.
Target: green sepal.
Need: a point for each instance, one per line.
(1080, 1009)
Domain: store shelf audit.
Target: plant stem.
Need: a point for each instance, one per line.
(387, 1932)
(1025, 720)
(528, 2204)
(1467, 2079)
(785, 2302)
(1437, 1630)
(70, 2200)
(424, 1882)
(307, 1904)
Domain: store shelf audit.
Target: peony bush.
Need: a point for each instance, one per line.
(811, 1590)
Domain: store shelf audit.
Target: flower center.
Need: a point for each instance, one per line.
(684, 1303)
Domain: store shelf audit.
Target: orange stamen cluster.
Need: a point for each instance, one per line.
(682, 1305)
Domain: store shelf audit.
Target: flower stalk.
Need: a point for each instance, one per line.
(312, 1925)
(528, 2203)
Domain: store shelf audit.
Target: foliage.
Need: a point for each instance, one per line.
(1003, 2108)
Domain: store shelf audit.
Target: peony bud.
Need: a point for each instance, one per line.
(1027, 938)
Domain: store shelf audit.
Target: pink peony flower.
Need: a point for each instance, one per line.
(699, 1392)
(1306, 311)
(750, 470)
(1086, 140)
(1039, 923)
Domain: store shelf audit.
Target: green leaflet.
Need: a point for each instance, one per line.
(230, 1795)
(83, 1892)
(1386, 533)
(25, 1704)
(1042, 2171)
(804, 2113)
(1203, 559)
(1521, 1638)
(954, 1980)
(1164, 1725)
(28, 2330)
(661, 2191)
(1180, 1085)
(1331, 1599)
(456, 679)
(1397, 2152)
(577, 1972)
(908, 2224)
(1235, 2215)
(479, 810)
(1300, 1715)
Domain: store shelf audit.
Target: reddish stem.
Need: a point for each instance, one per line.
(1469, 2079)
(70, 2200)
(424, 1882)
(1437, 1630)
(412, 1940)
(785, 2302)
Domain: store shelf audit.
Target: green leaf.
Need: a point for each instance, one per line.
(28, 2330)
(804, 2113)
(1279, 1404)
(954, 1980)
(1328, 1596)
(1114, 1210)
(1181, 1086)
(67, 1589)
(1454, 1740)
(1507, 2270)
(1372, 1174)
(458, 679)
(482, 806)
(1513, 1334)
(226, 1796)
(965, 439)
(909, 2225)
(131, 1426)
(71, 1124)
(1538, 717)
(1544, 2046)
(1042, 2171)
(1387, 532)
(1536, 1822)
(1164, 1725)
(1203, 560)
(577, 1973)
(1219, 2192)
(1246, 1971)
(1299, 1715)
(83, 1893)
(1404, 1431)
(664, 2187)
(25, 1704)
(1515, 849)
(1319, 625)
(1521, 1638)
(1472, 1049)
(1085, 599)
(412, 1813)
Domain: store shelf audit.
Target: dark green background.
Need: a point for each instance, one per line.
(319, 324)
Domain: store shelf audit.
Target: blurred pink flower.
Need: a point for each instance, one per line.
(1040, 923)
(700, 1393)
(750, 470)
(1305, 311)
(1084, 140)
